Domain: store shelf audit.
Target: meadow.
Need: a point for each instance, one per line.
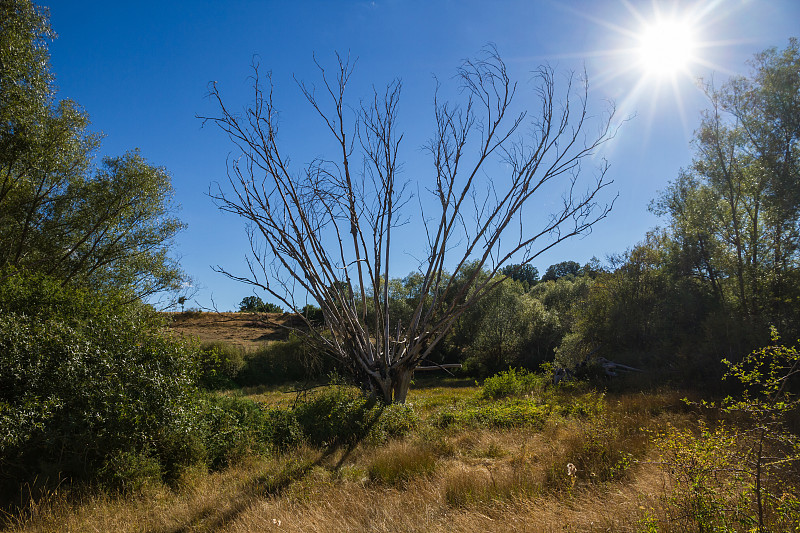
(515, 453)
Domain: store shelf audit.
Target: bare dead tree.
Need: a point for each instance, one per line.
(326, 232)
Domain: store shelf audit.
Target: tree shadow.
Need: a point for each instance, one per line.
(267, 486)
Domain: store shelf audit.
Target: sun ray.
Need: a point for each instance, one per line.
(653, 49)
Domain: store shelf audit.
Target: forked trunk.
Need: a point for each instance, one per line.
(394, 388)
(400, 383)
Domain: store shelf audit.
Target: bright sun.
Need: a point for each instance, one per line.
(666, 48)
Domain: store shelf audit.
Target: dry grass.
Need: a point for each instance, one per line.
(436, 480)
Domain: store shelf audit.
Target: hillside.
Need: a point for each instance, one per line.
(247, 330)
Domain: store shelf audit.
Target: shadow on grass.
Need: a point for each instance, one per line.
(265, 486)
(435, 382)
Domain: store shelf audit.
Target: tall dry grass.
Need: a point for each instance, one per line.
(453, 479)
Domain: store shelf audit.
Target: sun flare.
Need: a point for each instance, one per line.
(666, 48)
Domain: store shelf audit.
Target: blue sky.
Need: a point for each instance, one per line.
(141, 70)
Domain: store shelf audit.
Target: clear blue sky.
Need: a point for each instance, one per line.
(141, 70)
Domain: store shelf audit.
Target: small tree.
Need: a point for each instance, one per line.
(254, 304)
(766, 375)
(327, 232)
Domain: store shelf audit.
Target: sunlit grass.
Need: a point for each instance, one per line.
(463, 477)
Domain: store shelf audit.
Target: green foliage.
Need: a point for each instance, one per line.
(733, 214)
(514, 327)
(507, 413)
(281, 362)
(708, 491)
(766, 401)
(741, 475)
(526, 274)
(561, 270)
(85, 379)
(337, 415)
(282, 429)
(219, 365)
(511, 382)
(641, 307)
(254, 304)
(397, 420)
(233, 428)
(104, 227)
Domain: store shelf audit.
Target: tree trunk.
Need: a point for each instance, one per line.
(401, 381)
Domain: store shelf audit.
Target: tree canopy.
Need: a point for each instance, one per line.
(734, 212)
(106, 226)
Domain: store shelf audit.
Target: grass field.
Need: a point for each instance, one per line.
(472, 474)
(514, 455)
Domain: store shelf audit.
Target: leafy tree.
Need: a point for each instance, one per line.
(254, 304)
(526, 273)
(562, 269)
(734, 213)
(642, 308)
(106, 226)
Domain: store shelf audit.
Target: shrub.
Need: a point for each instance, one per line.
(219, 364)
(232, 427)
(396, 420)
(511, 382)
(86, 379)
(282, 429)
(502, 414)
(707, 490)
(337, 415)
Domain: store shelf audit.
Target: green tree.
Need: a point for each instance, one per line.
(734, 212)
(559, 270)
(526, 273)
(254, 304)
(100, 226)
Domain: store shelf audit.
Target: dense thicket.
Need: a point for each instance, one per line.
(90, 386)
(86, 381)
(727, 265)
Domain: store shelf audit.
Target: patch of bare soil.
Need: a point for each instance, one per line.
(247, 330)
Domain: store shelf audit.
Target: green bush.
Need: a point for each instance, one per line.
(337, 415)
(85, 379)
(501, 414)
(511, 382)
(219, 364)
(396, 420)
(232, 427)
(340, 415)
(282, 429)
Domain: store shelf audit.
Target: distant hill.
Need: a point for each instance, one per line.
(248, 330)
